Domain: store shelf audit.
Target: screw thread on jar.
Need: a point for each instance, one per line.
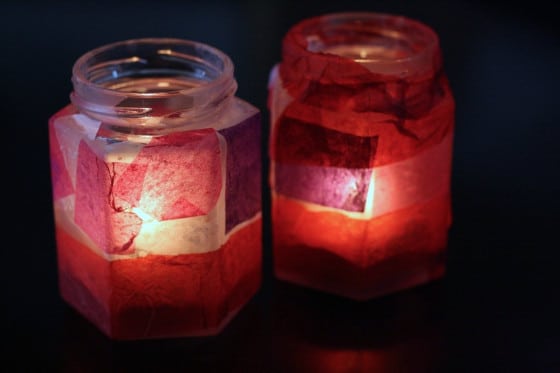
(153, 85)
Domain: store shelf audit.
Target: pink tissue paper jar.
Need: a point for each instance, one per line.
(156, 175)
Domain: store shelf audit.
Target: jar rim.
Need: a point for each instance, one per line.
(423, 38)
(79, 69)
(204, 72)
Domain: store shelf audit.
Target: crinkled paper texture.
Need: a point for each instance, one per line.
(243, 175)
(338, 114)
(174, 176)
(338, 130)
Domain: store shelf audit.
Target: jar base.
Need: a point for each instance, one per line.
(334, 275)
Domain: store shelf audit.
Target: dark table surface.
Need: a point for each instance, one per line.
(495, 311)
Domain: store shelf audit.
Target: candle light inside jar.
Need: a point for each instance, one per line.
(384, 58)
(364, 53)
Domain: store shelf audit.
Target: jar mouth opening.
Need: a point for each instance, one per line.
(381, 42)
(106, 67)
(136, 80)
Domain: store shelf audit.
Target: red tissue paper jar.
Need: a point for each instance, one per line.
(156, 175)
(362, 121)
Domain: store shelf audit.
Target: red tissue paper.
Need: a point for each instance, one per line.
(361, 152)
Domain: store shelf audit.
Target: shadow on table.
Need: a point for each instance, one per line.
(237, 349)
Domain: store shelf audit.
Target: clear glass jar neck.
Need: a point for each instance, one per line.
(385, 44)
(151, 85)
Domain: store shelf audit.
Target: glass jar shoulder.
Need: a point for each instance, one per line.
(238, 112)
(70, 123)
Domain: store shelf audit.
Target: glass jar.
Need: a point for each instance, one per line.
(157, 190)
(362, 121)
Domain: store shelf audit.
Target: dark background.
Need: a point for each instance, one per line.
(495, 311)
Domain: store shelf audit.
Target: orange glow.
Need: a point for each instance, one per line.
(161, 295)
(355, 239)
(360, 258)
